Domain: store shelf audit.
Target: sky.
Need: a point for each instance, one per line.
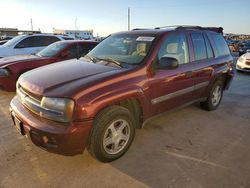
(109, 16)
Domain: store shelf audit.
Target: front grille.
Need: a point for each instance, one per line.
(29, 100)
(247, 62)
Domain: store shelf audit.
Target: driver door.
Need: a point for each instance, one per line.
(170, 88)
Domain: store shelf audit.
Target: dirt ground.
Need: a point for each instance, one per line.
(185, 148)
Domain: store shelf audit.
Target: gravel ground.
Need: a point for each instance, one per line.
(185, 148)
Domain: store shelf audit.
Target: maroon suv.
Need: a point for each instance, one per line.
(100, 100)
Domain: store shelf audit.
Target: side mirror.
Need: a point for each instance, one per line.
(64, 54)
(168, 63)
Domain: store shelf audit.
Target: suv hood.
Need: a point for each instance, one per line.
(60, 78)
(17, 59)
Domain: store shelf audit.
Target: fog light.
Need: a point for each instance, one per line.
(45, 139)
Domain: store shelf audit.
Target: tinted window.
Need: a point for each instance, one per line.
(80, 49)
(36, 41)
(200, 51)
(175, 46)
(67, 38)
(220, 44)
(26, 43)
(85, 48)
(73, 51)
(209, 48)
(47, 40)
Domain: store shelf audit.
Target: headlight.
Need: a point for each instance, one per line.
(57, 109)
(4, 72)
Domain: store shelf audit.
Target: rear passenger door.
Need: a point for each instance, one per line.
(202, 61)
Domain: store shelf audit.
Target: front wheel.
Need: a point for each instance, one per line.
(214, 98)
(112, 133)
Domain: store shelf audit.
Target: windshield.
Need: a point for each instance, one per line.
(13, 41)
(52, 50)
(123, 48)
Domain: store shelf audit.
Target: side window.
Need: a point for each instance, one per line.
(36, 41)
(200, 51)
(85, 48)
(175, 46)
(47, 40)
(73, 51)
(26, 43)
(209, 48)
(220, 44)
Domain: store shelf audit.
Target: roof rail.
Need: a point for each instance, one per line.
(139, 29)
(178, 27)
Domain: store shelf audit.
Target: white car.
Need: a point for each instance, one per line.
(29, 44)
(243, 63)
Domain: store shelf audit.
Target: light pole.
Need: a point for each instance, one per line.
(128, 19)
(75, 27)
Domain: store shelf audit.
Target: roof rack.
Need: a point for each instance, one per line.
(179, 27)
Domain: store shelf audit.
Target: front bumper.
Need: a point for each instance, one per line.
(49, 135)
(242, 66)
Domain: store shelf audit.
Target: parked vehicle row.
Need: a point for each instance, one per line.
(244, 49)
(239, 46)
(28, 44)
(12, 67)
(99, 100)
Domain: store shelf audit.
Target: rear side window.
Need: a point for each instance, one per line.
(220, 44)
(47, 40)
(200, 51)
(209, 48)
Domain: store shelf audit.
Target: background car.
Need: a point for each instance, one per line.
(3, 42)
(244, 49)
(28, 44)
(234, 45)
(243, 63)
(12, 67)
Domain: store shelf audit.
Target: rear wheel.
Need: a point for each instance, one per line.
(214, 98)
(112, 133)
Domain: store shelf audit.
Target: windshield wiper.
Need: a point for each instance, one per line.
(112, 61)
(91, 58)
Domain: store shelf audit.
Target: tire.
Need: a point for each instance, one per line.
(116, 125)
(215, 96)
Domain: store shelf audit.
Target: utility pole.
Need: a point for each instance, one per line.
(76, 28)
(31, 24)
(128, 19)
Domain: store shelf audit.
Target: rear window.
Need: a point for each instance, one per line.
(220, 44)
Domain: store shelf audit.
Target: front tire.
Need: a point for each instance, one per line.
(112, 133)
(214, 98)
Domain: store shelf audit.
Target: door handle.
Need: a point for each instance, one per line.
(189, 73)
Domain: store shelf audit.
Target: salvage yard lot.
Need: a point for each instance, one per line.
(185, 148)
